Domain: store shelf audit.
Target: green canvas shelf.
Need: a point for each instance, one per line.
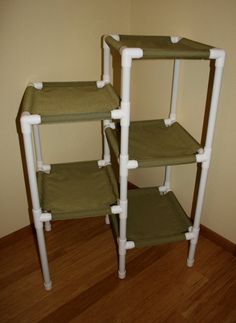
(76, 190)
(70, 101)
(152, 143)
(161, 47)
(153, 218)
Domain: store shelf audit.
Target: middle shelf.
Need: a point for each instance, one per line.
(152, 143)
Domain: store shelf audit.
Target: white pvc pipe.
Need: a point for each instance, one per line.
(48, 226)
(43, 258)
(107, 155)
(219, 63)
(125, 107)
(174, 93)
(127, 54)
(106, 62)
(209, 140)
(214, 105)
(125, 91)
(38, 148)
(168, 171)
(107, 220)
(175, 86)
(28, 145)
(191, 253)
(29, 154)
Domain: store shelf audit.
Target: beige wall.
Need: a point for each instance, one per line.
(60, 40)
(48, 40)
(211, 22)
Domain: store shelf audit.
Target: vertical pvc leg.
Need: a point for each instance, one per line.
(39, 161)
(122, 261)
(124, 158)
(175, 85)
(123, 224)
(198, 212)
(106, 149)
(191, 253)
(106, 63)
(219, 63)
(168, 172)
(28, 144)
(107, 220)
(126, 62)
(48, 226)
(38, 149)
(165, 188)
(174, 93)
(193, 244)
(43, 258)
(107, 155)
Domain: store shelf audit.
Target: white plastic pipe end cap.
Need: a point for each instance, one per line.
(190, 262)
(48, 226)
(175, 39)
(100, 84)
(38, 85)
(121, 275)
(48, 286)
(107, 220)
(117, 114)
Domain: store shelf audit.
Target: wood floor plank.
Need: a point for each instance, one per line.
(83, 261)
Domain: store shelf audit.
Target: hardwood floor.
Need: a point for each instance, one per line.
(83, 262)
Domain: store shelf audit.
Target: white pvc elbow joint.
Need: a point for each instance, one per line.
(116, 37)
(101, 84)
(36, 85)
(43, 168)
(218, 55)
(170, 120)
(27, 120)
(128, 54)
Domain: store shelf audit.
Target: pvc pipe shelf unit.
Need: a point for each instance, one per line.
(141, 217)
(71, 190)
(150, 216)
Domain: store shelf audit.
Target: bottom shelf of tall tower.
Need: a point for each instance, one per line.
(153, 218)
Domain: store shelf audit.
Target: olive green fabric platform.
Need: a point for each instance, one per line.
(76, 190)
(70, 101)
(153, 219)
(161, 47)
(151, 143)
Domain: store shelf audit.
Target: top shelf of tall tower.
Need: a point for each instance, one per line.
(163, 47)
